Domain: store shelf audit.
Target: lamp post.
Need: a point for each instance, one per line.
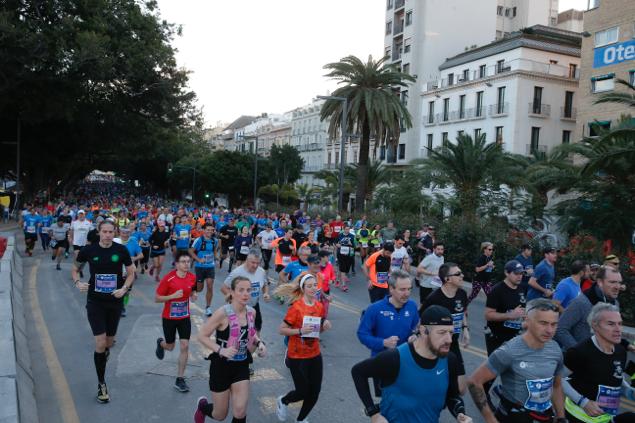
(171, 167)
(255, 138)
(344, 100)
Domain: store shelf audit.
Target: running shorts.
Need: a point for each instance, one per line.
(224, 373)
(172, 326)
(103, 316)
(203, 273)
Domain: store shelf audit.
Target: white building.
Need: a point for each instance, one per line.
(246, 137)
(310, 136)
(571, 20)
(421, 34)
(520, 91)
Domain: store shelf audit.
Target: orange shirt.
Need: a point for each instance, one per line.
(303, 347)
(196, 233)
(283, 259)
(378, 276)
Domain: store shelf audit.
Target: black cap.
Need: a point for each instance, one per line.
(435, 315)
(388, 246)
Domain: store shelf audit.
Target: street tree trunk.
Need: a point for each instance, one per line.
(362, 170)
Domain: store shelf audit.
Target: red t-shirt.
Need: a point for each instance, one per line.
(336, 227)
(303, 347)
(179, 308)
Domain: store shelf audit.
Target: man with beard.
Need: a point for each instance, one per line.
(424, 368)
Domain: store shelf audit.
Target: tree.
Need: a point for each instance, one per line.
(305, 194)
(620, 97)
(374, 108)
(377, 174)
(329, 191)
(403, 195)
(286, 164)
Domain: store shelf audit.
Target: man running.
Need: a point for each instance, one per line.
(264, 239)
(228, 235)
(79, 234)
(106, 288)
(30, 223)
(377, 269)
(428, 271)
(174, 291)
(530, 367)
(569, 288)
(293, 269)
(418, 379)
(59, 235)
(541, 283)
(204, 252)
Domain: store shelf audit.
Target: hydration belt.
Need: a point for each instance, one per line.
(580, 414)
(520, 413)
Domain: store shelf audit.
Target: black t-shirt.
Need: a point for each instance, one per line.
(503, 299)
(232, 231)
(591, 367)
(382, 264)
(299, 237)
(158, 239)
(285, 246)
(485, 275)
(456, 305)
(93, 236)
(106, 270)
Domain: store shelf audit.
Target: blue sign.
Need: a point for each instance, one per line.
(614, 54)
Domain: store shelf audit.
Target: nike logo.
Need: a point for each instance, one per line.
(440, 371)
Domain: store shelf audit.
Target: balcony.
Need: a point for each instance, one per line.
(568, 113)
(398, 29)
(430, 120)
(396, 55)
(498, 110)
(529, 149)
(399, 4)
(539, 110)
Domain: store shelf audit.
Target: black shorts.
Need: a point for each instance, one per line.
(241, 257)
(171, 326)
(157, 253)
(62, 244)
(225, 248)
(77, 247)
(103, 316)
(224, 373)
(258, 319)
(30, 236)
(203, 273)
(344, 263)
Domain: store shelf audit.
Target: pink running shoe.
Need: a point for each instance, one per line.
(199, 417)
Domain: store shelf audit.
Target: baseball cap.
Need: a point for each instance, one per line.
(81, 211)
(514, 266)
(612, 258)
(594, 266)
(436, 315)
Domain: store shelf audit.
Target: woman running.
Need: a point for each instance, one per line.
(363, 239)
(242, 245)
(236, 339)
(159, 241)
(302, 325)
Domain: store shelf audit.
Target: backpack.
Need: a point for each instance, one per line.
(204, 244)
(234, 329)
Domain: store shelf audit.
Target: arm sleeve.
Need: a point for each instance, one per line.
(365, 332)
(566, 323)
(574, 395)
(453, 400)
(384, 366)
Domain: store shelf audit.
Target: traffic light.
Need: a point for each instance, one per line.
(206, 195)
(169, 167)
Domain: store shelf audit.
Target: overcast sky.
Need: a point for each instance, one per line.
(253, 56)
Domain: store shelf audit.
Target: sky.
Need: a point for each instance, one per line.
(249, 57)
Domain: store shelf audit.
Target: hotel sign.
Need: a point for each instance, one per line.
(614, 54)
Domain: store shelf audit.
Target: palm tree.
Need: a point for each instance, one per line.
(377, 174)
(331, 180)
(621, 97)
(374, 107)
(306, 193)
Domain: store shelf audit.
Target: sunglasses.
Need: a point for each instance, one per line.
(456, 274)
(545, 307)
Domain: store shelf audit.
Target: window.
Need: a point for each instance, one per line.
(444, 139)
(500, 98)
(406, 68)
(499, 135)
(382, 152)
(446, 109)
(406, 48)
(566, 137)
(388, 27)
(401, 152)
(429, 142)
(460, 133)
(513, 12)
(535, 139)
(431, 112)
(479, 104)
(499, 34)
(508, 11)
(388, 4)
(328, 159)
(537, 103)
(451, 79)
(462, 106)
(499, 10)
(409, 18)
(466, 75)
(573, 70)
(482, 72)
(596, 127)
(477, 133)
(404, 97)
(608, 36)
(603, 83)
(567, 112)
(500, 66)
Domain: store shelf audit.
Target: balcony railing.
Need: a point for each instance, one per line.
(500, 109)
(430, 120)
(539, 110)
(398, 28)
(529, 149)
(399, 4)
(568, 113)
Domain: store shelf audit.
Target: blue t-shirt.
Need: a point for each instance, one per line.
(220, 225)
(527, 263)
(182, 233)
(145, 236)
(31, 222)
(545, 275)
(133, 247)
(566, 291)
(295, 268)
(205, 250)
(280, 232)
(46, 221)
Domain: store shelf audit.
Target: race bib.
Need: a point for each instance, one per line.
(184, 234)
(364, 245)
(539, 398)
(231, 248)
(457, 321)
(244, 249)
(396, 262)
(344, 250)
(209, 258)
(608, 399)
(382, 277)
(105, 283)
(515, 324)
(241, 355)
(549, 286)
(179, 309)
(315, 323)
(286, 260)
(30, 229)
(255, 289)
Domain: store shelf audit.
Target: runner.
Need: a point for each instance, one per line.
(540, 285)
(233, 326)
(328, 277)
(428, 271)
(530, 368)
(46, 221)
(174, 291)
(79, 235)
(418, 379)
(377, 269)
(285, 250)
(569, 288)
(293, 269)
(228, 235)
(143, 235)
(59, 240)
(452, 297)
(159, 241)
(593, 392)
(30, 223)
(302, 325)
(204, 252)
(264, 239)
(132, 244)
(242, 245)
(345, 245)
(399, 259)
(182, 231)
(483, 271)
(363, 240)
(106, 288)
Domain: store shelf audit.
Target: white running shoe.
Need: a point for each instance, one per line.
(209, 311)
(281, 409)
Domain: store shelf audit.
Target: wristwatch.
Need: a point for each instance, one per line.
(372, 410)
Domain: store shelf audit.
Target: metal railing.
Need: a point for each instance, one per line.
(568, 113)
(529, 149)
(539, 109)
(500, 109)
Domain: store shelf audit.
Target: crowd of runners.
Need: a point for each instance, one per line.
(541, 333)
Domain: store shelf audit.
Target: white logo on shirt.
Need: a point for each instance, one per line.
(440, 371)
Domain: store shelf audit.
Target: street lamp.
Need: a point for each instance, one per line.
(344, 100)
(255, 138)
(171, 167)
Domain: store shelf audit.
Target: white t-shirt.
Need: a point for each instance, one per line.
(431, 263)
(80, 231)
(258, 280)
(398, 258)
(267, 238)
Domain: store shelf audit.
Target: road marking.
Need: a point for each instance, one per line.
(266, 375)
(60, 384)
(268, 404)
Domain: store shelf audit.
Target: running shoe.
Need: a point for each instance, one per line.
(160, 352)
(123, 312)
(151, 271)
(208, 311)
(180, 385)
(199, 416)
(281, 409)
(58, 267)
(102, 393)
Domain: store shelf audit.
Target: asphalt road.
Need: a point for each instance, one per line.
(140, 386)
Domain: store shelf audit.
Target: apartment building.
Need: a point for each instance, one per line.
(608, 54)
(259, 132)
(520, 91)
(309, 136)
(571, 20)
(421, 34)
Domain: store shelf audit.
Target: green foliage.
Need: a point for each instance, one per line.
(286, 164)
(403, 196)
(284, 195)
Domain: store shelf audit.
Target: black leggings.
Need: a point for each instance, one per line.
(146, 255)
(307, 378)
(266, 258)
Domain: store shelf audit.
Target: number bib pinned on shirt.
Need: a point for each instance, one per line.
(244, 249)
(457, 320)
(105, 283)
(608, 399)
(539, 394)
(255, 289)
(382, 277)
(286, 260)
(344, 250)
(179, 309)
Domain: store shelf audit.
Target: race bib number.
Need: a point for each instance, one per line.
(608, 399)
(286, 260)
(539, 398)
(396, 262)
(231, 248)
(179, 309)
(344, 250)
(457, 321)
(364, 245)
(549, 286)
(314, 322)
(255, 289)
(105, 283)
(382, 277)
(208, 258)
(30, 229)
(184, 234)
(244, 249)
(515, 324)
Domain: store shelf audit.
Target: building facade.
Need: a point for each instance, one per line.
(309, 136)
(421, 34)
(519, 91)
(608, 54)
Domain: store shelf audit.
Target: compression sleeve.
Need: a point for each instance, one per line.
(453, 400)
(384, 366)
(572, 394)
